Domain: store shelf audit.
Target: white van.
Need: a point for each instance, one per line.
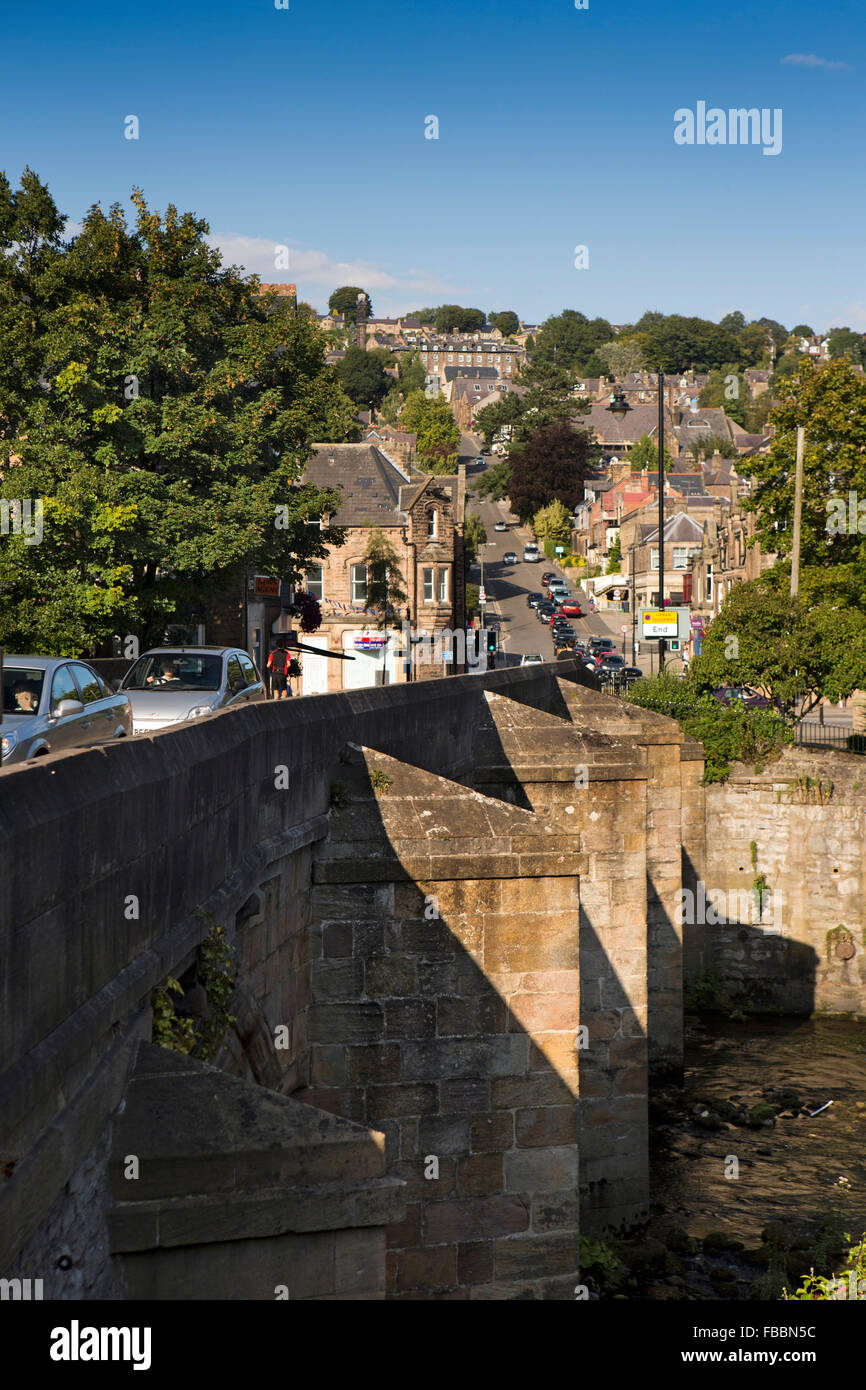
(530, 552)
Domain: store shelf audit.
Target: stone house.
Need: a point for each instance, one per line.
(422, 517)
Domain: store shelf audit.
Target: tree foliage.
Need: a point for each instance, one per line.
(553, 523)
(160, 409)
(344, 301)
(386, 589)
(793, 649)
(438, 436)
(363, 377)
(453, 318)
(566, 340)
(645, 455)
(551, 462)
(829, 401)
(506, 321)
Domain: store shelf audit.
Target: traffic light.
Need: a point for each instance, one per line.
(673, 644)
(491, 641)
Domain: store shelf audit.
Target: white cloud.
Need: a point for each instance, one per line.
(314, 271)
(811, 60)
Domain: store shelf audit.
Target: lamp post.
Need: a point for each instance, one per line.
(619, 407)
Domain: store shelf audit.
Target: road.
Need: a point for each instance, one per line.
(508, 585)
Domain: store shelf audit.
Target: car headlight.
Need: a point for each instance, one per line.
(7, 743)
(199, 710)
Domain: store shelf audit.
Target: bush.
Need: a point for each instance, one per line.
(729, 733)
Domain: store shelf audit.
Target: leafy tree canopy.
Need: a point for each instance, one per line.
(551, 462)
(792, 649)
(506, 321)
(431, 420)
(553, 523)
(728, 390)
(363, 377)
(344, 302)
(621, 357)
(495, 481)
(567, 339)
(829, 401)
(454, 318)
(163, 413)
(645, 454)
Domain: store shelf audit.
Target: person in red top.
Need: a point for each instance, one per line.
(278, 669)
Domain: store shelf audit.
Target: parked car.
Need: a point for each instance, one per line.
(51, 704)
(534, 599)
(509, 558)
(168, 685)
(544, 610)
(546, 577)
(532, 659)
(601, 644)
(572, 607)
(751, 698)
(499, 526)
(530, 554)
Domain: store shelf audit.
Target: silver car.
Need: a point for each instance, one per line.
(51, 703)
(168, 685)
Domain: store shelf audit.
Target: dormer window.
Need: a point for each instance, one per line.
(432, 523)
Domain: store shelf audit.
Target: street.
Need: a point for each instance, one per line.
(507, 585)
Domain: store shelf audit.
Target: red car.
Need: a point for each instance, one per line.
(572, 608)
(546, 578)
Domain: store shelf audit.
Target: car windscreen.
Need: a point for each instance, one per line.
(175, 671)
(22, 689)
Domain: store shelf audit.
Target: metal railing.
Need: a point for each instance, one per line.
(812, 734)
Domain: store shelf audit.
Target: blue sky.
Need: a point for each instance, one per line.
(305, 127)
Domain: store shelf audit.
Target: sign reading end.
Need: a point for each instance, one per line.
(658, 624)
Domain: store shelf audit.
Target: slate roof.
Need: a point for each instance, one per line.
(471, 373)
(370, 483)
(678, 528)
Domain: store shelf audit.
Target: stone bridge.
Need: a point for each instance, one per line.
(453, 913)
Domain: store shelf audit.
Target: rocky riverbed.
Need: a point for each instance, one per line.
(755, 1178)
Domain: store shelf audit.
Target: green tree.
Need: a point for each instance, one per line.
(645, 454)
(708, 444)
(754, 341)
(161, 410)
(777, 331)
(474, 535)
(495, 481)
(503, 412)
(802, 330)
(411, 373)
(843, 342)
(567, 339)
(505, 320)
(793, 649)
(437, 433)
(675, 343)
(363, 377)
(454, 318)
(344, 302)
(733, 323)
(614, 556)
(620, 358)
(553, 523)
(551, 462)
(829, 401)
(386, 589)
(728, 390)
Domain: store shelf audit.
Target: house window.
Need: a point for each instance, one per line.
(359, 583)
(680, 557)
(442, 593)
(315, 581)
(709, 582)
(427, 578)
(654, 559)
(432, 523)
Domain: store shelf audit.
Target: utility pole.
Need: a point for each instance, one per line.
(798, 512)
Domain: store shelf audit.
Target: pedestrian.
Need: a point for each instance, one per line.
(278, 668)
(592, 605)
